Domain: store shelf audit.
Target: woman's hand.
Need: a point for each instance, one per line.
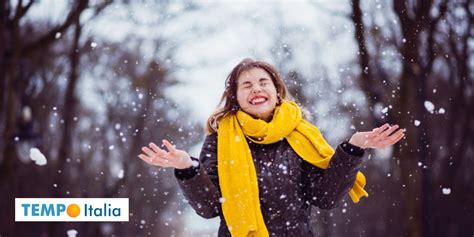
(380, 137)
(175, 158)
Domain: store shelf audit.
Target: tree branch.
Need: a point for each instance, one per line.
(366, 79)
(49, 37)
(22, 10)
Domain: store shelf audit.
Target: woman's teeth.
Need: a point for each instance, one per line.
(258, 101)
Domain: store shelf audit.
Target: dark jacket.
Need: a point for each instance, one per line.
(287, 184)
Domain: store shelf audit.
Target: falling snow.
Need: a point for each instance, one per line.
(429, 106)
(122, 129)
(417, 123)
(120, 174)
(37, 157)
(71, 233)
(446, 191)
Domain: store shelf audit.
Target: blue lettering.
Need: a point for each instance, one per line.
(106, 210)
(60, 208)
(116, 211)
(34, 209)
(47, 210)
(90, 210)
(97, 212)
(25, 208)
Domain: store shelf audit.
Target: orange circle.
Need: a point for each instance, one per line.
(73, 210)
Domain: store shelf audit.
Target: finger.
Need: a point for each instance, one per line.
(388, 143)
(158, 150)
(149, 152)
(387, 132)
(398, 137)
(371, 134)
(381, 128)
(145, 158)
(383, 135)
(398, 132)
(152, 155)
(155, 161)
(162, 163)
(376, 131)
(394, 138)
(169, 146)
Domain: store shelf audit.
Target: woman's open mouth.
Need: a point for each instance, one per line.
(258, 100)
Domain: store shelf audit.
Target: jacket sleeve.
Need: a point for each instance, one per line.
(199, 183)
(325, 188)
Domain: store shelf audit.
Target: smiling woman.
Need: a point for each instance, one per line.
(257, 94)
(250, 80)
(262, 164)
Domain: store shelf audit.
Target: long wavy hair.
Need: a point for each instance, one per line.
(228, 104)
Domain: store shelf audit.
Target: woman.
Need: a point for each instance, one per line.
(262, 164)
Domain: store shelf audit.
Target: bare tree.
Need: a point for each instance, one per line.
(431, 44)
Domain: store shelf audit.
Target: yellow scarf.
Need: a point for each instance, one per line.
(237, 175)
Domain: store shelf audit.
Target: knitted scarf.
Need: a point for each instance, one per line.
(237, 175)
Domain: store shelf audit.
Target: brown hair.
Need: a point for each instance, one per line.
(228, 103)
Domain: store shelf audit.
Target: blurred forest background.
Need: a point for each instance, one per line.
(90, 82)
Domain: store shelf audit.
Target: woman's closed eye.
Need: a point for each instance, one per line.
(247, 86)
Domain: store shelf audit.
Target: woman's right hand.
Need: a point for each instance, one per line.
(175, 158)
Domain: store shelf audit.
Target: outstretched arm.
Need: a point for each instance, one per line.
(327, 187)
(196, 177)
(380, 137)
(175, 158)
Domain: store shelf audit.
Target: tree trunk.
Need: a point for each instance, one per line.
(69, 108)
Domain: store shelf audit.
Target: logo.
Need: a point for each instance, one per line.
(71, 209)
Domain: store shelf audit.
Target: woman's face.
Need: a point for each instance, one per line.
(256, 93)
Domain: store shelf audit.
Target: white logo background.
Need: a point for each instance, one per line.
(96, 204)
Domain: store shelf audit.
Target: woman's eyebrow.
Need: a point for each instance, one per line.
(249, 82)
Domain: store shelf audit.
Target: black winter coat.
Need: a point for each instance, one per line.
(287, 184)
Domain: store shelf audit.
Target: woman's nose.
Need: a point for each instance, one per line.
(256, 89)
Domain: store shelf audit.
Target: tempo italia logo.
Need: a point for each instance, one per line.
(71, 209)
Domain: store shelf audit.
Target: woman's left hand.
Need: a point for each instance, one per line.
(380, 137)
